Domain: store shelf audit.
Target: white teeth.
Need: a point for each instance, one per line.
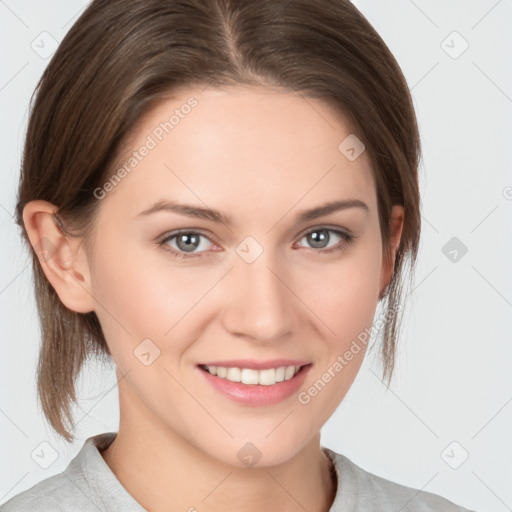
(267, 377)
(234, 375)
(290, 371)
(249, 376)
(280, 373)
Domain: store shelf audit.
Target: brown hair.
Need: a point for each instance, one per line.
(122, 57)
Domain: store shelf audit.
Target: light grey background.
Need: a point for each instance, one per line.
(451, 395)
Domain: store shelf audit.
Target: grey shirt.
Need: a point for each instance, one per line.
(89, 485)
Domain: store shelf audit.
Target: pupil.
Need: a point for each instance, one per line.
(191, 242)
(318, 238)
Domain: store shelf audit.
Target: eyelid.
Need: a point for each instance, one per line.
(301, 233)
(328, 227)
(347, 234)
(170, 235)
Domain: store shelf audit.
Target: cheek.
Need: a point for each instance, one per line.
(145, 294)
(344, 295)
(345, 300)
(142, 293)
(349, 315)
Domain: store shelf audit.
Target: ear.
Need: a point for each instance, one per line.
(396, 226)
(61, 257)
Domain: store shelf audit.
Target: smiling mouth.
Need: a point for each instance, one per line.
(267, 377)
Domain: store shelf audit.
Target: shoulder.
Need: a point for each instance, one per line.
(366, 491)
(81, 486)
(56, 493)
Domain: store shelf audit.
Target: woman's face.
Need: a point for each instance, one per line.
(260, 283)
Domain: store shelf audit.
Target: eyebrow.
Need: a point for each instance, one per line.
(216, 216)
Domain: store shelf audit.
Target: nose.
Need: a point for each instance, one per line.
(260, 303)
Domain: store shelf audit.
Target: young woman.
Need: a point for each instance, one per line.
(217, 194)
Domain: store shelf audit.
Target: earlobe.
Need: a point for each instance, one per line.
(396, 227)
(63, 261)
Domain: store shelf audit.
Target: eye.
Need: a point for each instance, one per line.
(319, 238)
(191, 244)
(186, 242)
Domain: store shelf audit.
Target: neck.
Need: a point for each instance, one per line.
(162, 471)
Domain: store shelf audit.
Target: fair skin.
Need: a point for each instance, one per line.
(259, 156)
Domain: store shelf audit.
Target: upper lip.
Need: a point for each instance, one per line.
(256, 365)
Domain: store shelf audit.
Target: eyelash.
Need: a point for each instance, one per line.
(341, 246)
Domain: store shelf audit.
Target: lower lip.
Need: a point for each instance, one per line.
(256, 394)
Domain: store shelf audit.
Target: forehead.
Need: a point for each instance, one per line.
(249, 146)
